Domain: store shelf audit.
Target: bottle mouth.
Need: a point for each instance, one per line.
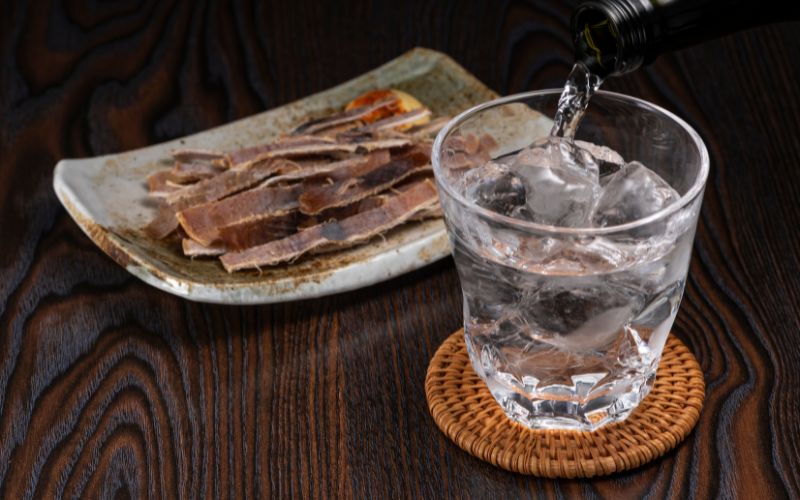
(607, 37)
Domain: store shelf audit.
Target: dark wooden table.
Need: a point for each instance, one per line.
(109, 387)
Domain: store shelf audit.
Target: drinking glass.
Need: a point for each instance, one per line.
(566, 325)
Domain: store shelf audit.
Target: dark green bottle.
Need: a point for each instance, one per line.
(613, 37)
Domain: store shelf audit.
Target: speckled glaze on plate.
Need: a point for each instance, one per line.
(107, 197)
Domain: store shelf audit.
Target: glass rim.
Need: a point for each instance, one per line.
(694, 191)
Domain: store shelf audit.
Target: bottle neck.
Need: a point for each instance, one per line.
(610, 36)
(613, 37)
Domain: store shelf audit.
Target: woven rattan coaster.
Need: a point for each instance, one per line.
(465, 411)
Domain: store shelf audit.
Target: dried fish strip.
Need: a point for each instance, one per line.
(257, 231)
(203, 222)
(349, 167)
(397, 121)
(227, 183)
(351, 115)
(397, 209)
(163, 224)
(346, 191)
(180, 174)
(192, 248)
(286, 145)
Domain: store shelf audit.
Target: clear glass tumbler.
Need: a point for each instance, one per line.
(566, 325)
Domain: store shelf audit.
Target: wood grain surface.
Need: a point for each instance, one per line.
(110, 388)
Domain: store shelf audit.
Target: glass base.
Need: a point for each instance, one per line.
(554, 409)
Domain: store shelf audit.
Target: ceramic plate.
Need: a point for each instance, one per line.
(107, 197)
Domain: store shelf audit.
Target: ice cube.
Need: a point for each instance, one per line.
(562, 184)
(495, 187)
(608, 160)
(632, 193)
(603, 153)
(578, 316)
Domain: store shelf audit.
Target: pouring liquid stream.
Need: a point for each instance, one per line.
(578, 90)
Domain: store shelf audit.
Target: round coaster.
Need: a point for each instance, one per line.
(466, 412)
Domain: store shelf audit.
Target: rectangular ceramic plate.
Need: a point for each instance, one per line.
(107, 197)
